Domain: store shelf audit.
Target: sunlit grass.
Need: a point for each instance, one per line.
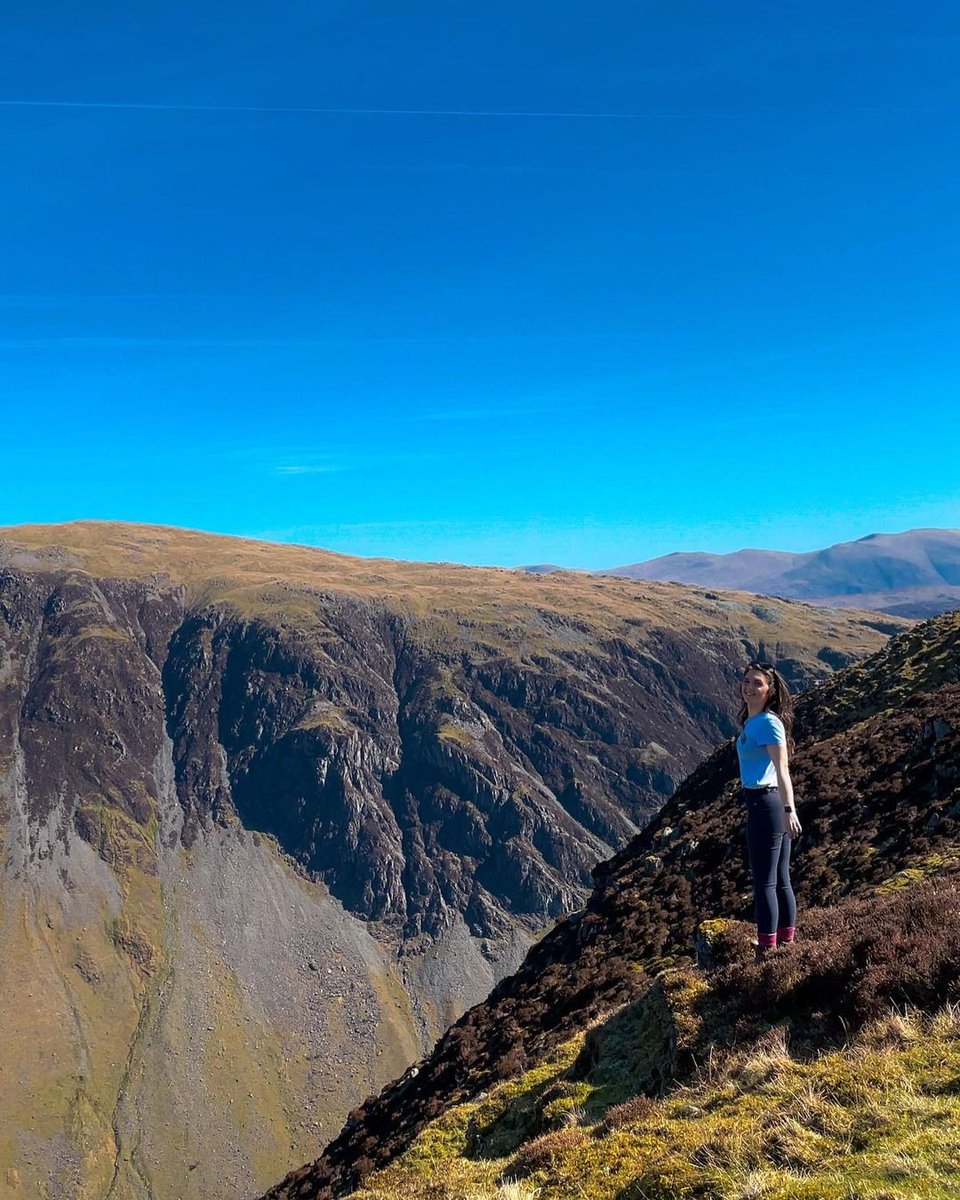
(855, 1123)
(502, 611)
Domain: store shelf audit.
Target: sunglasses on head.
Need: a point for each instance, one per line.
(760, 666)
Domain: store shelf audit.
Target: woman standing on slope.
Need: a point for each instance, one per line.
(766, 714)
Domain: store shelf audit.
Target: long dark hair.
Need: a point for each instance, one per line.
(780, 702)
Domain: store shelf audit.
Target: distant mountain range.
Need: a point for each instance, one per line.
(913, 574)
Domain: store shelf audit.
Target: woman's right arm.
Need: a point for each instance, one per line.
(778, 756)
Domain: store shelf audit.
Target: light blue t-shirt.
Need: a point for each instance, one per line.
(756, 769)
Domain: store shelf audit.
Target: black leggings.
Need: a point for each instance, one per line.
(774, 902)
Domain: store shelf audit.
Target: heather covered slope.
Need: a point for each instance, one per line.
(272, 818)
(877, 771)
(828, 1073)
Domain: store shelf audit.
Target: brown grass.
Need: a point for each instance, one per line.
(461, 602)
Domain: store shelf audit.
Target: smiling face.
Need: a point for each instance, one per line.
(756, 688)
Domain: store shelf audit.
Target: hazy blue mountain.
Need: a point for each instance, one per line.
(912, 574)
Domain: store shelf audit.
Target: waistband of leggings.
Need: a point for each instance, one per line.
(759, 791)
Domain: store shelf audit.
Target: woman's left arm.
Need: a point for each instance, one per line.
(778, 756)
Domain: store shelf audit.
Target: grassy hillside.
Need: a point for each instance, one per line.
(830, 1073)
(501, 608)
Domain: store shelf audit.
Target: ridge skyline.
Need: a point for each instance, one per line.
(913, 574)
(278, 540)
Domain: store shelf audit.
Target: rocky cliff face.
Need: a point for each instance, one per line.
(877, 774)
(272, 819)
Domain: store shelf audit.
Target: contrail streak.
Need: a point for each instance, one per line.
(353, 112)
(653, 114)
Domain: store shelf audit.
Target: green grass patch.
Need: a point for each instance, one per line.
(873, 1120)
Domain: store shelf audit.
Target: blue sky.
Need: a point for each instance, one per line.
(578, 283)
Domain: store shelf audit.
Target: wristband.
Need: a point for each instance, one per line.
(788, 808)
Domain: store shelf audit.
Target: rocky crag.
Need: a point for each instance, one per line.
(272, 818)
(877, 770)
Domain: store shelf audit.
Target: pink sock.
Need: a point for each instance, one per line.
(766, 939)
(786, 934)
